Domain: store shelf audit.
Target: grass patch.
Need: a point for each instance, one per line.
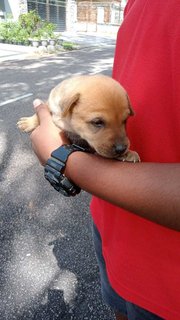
(69, 45)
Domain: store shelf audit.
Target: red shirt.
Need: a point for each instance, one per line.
(143, 258)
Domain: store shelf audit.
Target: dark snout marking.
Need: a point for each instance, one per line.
(120, 148)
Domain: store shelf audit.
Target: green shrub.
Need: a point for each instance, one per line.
(68, 45)
(7, 30)
(2, 31)
(29, 26)
(47, 30)
(30, 21)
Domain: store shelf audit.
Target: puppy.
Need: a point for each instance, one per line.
(92, 110)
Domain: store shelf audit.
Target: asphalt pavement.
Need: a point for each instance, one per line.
(48, 264)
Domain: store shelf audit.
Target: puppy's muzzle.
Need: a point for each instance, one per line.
(120, 149)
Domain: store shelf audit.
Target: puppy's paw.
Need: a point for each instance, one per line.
(25, 125)
(28, 124)
(130, 156)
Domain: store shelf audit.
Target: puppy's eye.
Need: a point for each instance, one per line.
(98, 123)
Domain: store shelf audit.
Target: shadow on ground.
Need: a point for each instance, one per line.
(49, 269)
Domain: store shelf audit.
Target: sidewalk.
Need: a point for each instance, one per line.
(90, 39)
(11, 51)
(84, 40)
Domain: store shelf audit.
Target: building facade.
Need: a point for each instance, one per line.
(69, 15)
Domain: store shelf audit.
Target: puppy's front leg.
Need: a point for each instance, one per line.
(130, 156)
(28, 124)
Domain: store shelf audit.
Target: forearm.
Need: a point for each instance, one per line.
(149, 190)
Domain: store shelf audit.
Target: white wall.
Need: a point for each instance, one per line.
(71, 14)
(15, 7)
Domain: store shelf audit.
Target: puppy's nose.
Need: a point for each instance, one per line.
(120, 148)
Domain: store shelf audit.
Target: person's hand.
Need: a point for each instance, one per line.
(46, 137)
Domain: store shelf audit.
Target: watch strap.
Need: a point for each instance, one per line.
(65, 150)
(55, 167)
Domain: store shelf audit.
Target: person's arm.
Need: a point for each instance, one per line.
(149, 190)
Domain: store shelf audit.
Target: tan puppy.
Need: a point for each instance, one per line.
(93, 111)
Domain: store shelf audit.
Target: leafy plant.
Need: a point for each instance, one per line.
(2, 31)
(48, 29)
(7, 30)
(68, 45)
(35, 26)
(30, 21)
(29, 26)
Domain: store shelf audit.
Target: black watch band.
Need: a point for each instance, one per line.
(55, 167)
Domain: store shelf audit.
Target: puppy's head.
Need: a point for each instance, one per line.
(96, 108)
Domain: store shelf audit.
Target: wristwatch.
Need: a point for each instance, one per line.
(55, 167)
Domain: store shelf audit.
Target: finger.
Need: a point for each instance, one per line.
(42, 111)
(37, 102)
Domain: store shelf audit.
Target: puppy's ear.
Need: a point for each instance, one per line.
(69, 104)
(131, 111)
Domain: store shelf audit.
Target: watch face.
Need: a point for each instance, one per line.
(63, 152)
